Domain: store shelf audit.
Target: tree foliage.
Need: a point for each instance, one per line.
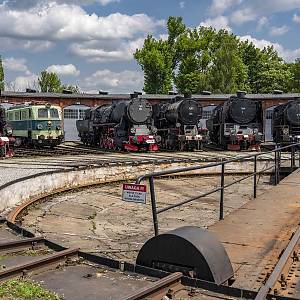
(197, 59)
(1, 75)
(49, 82)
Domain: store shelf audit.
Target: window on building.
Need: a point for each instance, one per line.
(54, 113)
(43, 113)
(82, 113)
(71, 113)
(207, 114)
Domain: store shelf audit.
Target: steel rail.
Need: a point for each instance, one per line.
(21, 243)
(38, 263)
(266, 288)
(157, 287)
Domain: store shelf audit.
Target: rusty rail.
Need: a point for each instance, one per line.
(21, 243)
(158, 288)
(267, 287)
(38, 263)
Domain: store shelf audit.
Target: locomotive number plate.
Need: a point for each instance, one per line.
(134, 193)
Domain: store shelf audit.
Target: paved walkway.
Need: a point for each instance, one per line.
(255, 234)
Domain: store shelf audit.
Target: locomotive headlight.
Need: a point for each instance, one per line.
(132, 130)
(232, 131)
(178, 125)
(39, 126)
(154, 129)
(255, 130)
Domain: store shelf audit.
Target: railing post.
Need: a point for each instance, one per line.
(279, 166)
(275, 166)
(222, 192)
(293, 162)
(153, 205)
(299, 155)
(255, 177)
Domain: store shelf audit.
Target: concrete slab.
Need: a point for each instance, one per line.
(255, 235)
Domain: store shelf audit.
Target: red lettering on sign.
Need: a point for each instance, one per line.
(134, 187)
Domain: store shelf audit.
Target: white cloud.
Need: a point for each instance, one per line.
(220, 22)
(114, 50)
(64, 70)
(54, 21)
(32, 46)
(16, 65)
(218, 7)
(21, 83)
(262, 22)
(250, 10)
(276, 31)
(25, 4)
(296, 18)
(288, 55)
(182, 4)
(125, 81)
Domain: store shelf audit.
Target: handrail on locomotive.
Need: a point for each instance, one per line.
(277, 163)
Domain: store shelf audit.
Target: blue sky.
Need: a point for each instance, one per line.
(90, 42)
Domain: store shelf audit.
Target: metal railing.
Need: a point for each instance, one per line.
(293, 148)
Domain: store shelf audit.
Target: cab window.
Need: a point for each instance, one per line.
(24, 114)
(17, 115)
(43, 113)
(54, 113)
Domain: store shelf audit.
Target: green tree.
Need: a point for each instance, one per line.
(295, 70)
(1, 75)
(49, 82)
(228, 73)
(156, 61)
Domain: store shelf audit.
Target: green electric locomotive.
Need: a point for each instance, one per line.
(36, 124)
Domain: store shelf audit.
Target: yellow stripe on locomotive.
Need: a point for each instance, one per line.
(36, 124)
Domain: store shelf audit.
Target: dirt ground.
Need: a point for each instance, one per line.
(97, 220)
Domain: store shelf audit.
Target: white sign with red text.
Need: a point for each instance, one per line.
(134, 193)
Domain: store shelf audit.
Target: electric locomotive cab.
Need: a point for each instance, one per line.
(36, 124)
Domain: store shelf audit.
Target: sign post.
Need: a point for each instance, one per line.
(134, 193)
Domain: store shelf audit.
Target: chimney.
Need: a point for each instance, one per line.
(241, 94)
(103, 93)
(206, 93)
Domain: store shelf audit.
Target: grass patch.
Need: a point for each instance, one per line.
(23, 289)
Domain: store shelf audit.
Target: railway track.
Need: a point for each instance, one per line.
(284, 278)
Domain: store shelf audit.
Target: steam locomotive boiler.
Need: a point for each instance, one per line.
(6, 138)
(177, 124)
(123, 125)
(286, 122)
(237, 124)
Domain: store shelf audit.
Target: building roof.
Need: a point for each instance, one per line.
(7, 94)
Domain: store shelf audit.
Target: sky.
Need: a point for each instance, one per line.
(90, 43)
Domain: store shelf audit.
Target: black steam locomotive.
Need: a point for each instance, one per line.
(123, 125)
(6, 138)
(177, 124)
(237, 124)
(286, 122)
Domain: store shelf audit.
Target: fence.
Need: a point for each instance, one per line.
(221, 188)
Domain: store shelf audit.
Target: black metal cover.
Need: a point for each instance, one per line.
(242, 110)
(185, 111)
(293, 112)
(188, 249)
(139, 110)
